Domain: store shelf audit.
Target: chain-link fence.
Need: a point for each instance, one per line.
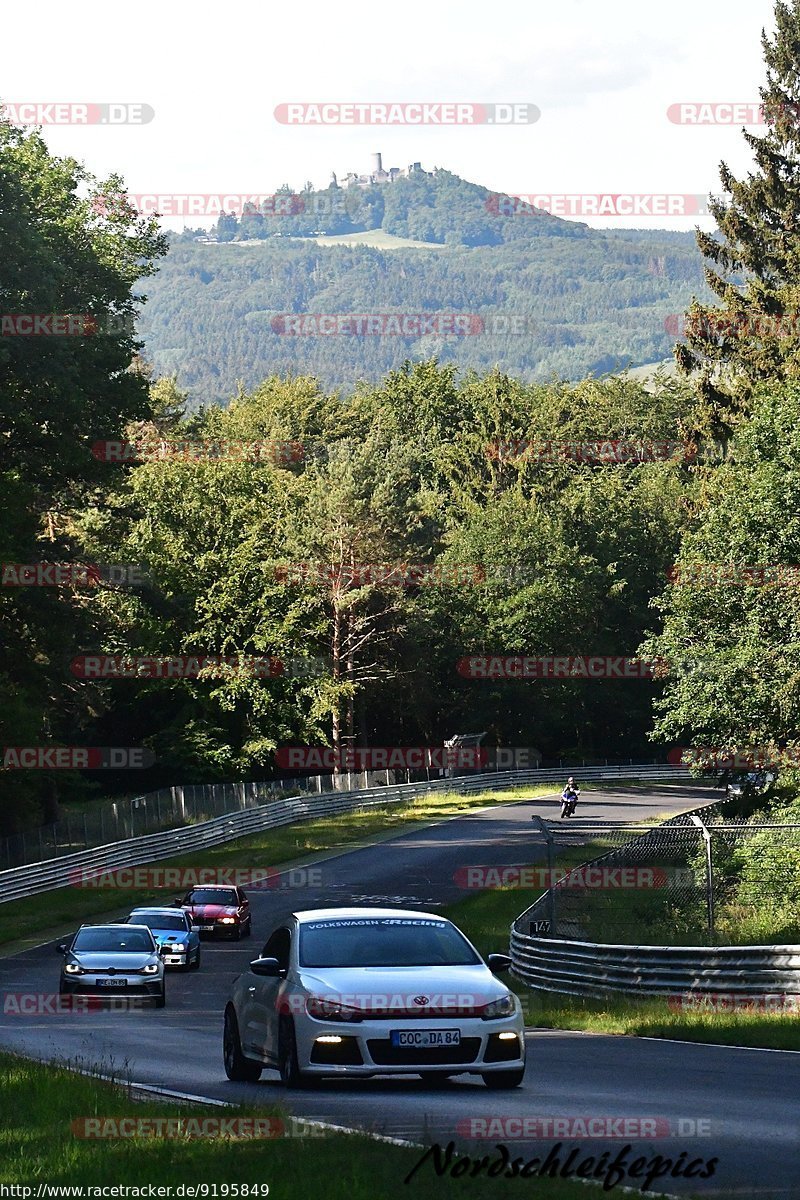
(169, 808)
(699, 879)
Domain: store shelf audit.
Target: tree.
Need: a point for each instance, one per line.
(731, 638)
(754, 262)
(71, 245)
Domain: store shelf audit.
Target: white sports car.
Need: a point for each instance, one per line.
(373, 991)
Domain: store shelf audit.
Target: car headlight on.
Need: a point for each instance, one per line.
(179, 947)
(151, 969)
(504, 1007)
(323, 1009)
(73, 969)
(227, 920)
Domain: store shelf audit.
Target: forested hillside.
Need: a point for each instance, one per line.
(565, 301)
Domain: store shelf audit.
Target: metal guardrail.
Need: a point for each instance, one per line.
(590, 969)
(581, 968)
(59, 872)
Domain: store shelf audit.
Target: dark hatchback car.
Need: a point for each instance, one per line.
(113, 961)
(218, 910)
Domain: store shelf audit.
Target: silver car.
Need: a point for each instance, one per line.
(373, 991)
(113, 961)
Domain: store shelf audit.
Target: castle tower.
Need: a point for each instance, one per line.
(377, 164)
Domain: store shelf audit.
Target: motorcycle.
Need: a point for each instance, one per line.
(568, 803)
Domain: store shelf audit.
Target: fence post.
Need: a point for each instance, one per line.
(709, 872)
(551, 894)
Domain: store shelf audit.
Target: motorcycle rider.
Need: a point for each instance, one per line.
(569, 797)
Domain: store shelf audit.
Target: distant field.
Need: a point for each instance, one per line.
(377, 238)
(644, 374)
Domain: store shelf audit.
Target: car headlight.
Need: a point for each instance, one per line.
(227, 920)
(179, 946)
(504, 1007)
(151, 969)
(73, 969)
(331, 1010)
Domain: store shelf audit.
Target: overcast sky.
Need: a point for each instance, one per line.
(603, 76)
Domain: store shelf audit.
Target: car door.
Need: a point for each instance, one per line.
(264, 1000)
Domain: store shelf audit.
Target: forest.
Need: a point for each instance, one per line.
(351, 502)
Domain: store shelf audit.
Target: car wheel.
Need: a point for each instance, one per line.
(237, 1067)
(196, 963)
(161, 999)
(498, 1080)
(435, 1079)
(237, 933)
(249, 929)
(289, 1067)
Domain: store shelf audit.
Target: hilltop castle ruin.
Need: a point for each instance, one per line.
(378, 174)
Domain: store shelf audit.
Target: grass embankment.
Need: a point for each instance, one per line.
(51, 914)
(486, 919)
(38, 1146)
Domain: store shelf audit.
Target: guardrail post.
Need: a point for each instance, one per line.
(709, 872)
(551, 894)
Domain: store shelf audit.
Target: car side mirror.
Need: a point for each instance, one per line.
(178, 901)
(266, 966)
(62, 948)
(498, 963)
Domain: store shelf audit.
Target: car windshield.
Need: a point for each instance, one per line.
(383, 942)
(211, 896)
(123, 941)
(159, 920)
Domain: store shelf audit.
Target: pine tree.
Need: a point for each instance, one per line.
(754, 260)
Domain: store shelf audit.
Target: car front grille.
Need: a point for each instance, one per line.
(384, 1054)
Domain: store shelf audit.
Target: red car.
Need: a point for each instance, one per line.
(218, 909)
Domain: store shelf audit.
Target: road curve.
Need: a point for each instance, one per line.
(744, 1103)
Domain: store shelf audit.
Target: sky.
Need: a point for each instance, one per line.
(602, 76)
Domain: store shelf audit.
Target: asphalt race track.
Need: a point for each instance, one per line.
(747, 1102)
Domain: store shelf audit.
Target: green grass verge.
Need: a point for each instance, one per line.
(51, 914)
(486, 919)
(38, 1145)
